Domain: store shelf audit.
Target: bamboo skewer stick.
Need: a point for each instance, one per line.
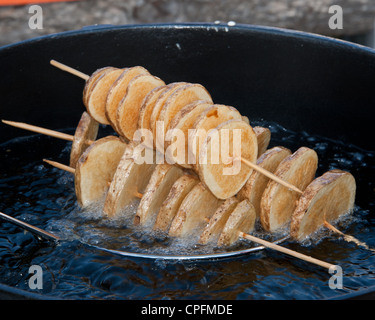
(48, 132)
(287, 251)
(270, 175)
(60, 166)
(29, 227)
(70, 70)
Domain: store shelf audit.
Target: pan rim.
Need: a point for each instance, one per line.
(200, 25)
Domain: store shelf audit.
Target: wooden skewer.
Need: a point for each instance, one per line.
(60, 166)
(287, 251)
(29, 227)
(72, 170)
(48, 132)
(70, 70)
(270, 175)
(41, 130)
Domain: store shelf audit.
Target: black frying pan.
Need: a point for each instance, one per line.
(301, 81)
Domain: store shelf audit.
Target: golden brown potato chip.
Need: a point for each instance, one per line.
(86, 132)
(242, 219)
(232, 139)
(130, 105)
(198, 206)
(278, 202)
(257, 182)
(98, 96)
(118, 90)
(209, 119)
(217, 222)
(128, 183)
(172, 87)
(325, 199)
(148, 105)
(180, 98)
(263, 137)
(183, 121)
(157, 190)
(95, 169)
(91, 81)
(172, 203)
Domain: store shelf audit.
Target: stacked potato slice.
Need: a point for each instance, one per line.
(186, 198)
(133, 100)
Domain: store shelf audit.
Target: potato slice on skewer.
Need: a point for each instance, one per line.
(246, 119)
(95, 169)
(278, 202)
(172, 203)
(86, 131)
(130, 105)
(91, 81)
(257, 182)
(242, 219)
(264, 138)
(183, 121)
(157, 190)
(129, 181)
(225, 178)
(180, 98)
(172, 87)
(209, 119)
(217, 222)
(192, 215)
(97, 97)
(325, 199)
(148, 105)
(118, 90)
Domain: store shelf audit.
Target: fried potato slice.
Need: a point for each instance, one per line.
(130, 105)
(242, 219)
(118, 90)
(264, 138)
(172, 203)
(148, 105)
(183, 121)
(198, 205)
(257, 182)
(172, 87)
(209, 119)
(325, 199)
(98, 96)
(95, 169)
(279, 202)
(217, 222)
(86, 131)
(225, 178)
(180, 98)
(129, 180)
(157, 190)
(91, 81)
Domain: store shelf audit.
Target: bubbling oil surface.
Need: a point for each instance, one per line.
(44, 196)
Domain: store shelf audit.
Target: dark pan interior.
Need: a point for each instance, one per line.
(301, 81)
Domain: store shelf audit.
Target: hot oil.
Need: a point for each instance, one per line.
(44, 196)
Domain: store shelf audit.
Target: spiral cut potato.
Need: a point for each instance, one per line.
(186, 199)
